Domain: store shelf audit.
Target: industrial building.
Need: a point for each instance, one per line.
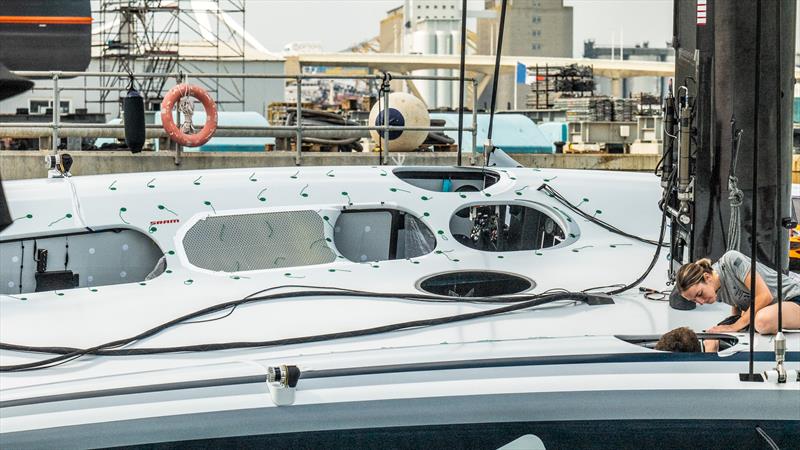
(639, 52)
(433, 27)
(188, 37)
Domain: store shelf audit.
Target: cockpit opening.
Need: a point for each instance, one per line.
(448, 179)
(380, 235)
(505, 227)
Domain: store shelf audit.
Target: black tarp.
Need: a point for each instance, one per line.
(5, 215)
(11, 85)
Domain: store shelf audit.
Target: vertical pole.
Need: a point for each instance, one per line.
(461, 73)
(299, 118)
(754, 208)
(56, 113)
(385, 147)
(515, 93)
(182, 78)
(474, 120)
(546, 86)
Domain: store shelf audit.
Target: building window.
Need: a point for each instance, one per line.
(537, 32)
(40, 106)
(537, 46)
(537, 19)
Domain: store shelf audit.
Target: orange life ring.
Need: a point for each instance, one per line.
(173, 130)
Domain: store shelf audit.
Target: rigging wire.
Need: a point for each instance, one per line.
(462, 73)
(550, 191)
(658, 247)
(489, 147)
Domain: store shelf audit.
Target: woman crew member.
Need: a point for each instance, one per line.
(728, 280)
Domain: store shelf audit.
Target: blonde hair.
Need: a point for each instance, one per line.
(692, 273)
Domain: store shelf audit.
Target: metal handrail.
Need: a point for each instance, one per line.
(56, 127)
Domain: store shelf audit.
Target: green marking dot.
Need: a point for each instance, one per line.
(160, 206)
(438, 252)
(425, 197)
(345, 193)
(168, 271)
(304, 194)
(500, 256)
(393, 189)
(426, 214)
(123, 209)
(142, 284)
(60, 294)
(331, 270)
(572, 235)
(171, 252)
(538, 253)
(69, 216)
(207, 203)
(235, 277)
(414, 262)
(440, 232)
(23, 298)
(93, 290)
(263, 199)
(152, 229)
(519, 193)
(328, 240)
(455, 260)
(487, 194)
(462, 195)
(29, 216)
(325, 218)
(188, 282)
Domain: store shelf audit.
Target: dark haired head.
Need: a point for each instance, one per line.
(681, 339)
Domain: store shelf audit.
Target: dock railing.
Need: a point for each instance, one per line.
(56, 130)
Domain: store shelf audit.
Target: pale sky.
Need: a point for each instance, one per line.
(339, 24)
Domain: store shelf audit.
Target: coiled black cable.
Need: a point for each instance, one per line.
(660, 242)
(550, 191)
(112, 348)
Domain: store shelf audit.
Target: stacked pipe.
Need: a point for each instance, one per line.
(313, 117)
(438, 138)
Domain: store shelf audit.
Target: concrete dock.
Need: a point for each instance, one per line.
(17, 165)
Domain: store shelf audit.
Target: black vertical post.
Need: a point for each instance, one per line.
(754, 197)
(462, 70)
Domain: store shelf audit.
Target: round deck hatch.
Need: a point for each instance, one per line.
(475, 284)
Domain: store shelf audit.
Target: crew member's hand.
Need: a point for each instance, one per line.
(722, 329)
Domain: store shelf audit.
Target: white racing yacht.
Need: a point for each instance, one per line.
(366, 307)
(390, 307)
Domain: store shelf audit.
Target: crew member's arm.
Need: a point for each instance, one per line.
(763, 298)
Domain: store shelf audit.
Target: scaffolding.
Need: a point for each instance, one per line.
(553, 82)
(170, 36)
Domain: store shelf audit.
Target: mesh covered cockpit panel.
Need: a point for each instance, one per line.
(258, 241)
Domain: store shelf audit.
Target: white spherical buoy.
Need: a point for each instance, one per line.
(404, 110)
